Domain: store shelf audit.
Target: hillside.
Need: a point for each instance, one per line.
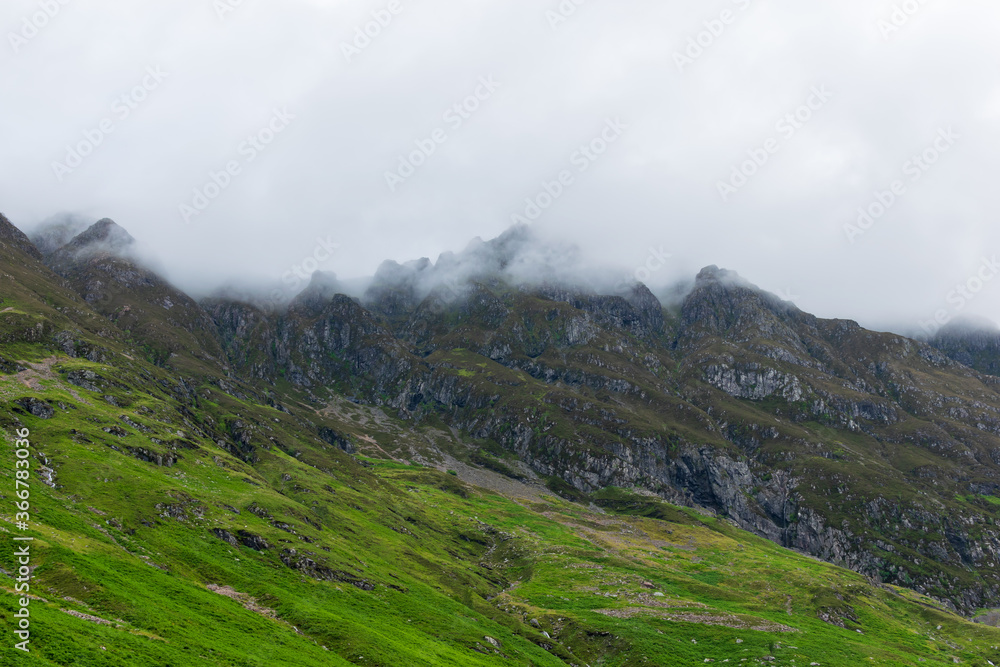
(866, 449)
(500, 472)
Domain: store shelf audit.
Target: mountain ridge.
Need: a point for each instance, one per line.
(867, 450)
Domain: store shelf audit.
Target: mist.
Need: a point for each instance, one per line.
(839, 156)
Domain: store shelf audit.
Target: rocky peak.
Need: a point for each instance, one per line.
(723, 303)
(394, 290)
(508, 246)
(101, 240)
(323, 286)
(394, 274)
(519, 256)
(648, 306)
(713, 274)
(14, 237)
(325, 282)
(57, 231)
(105, 234)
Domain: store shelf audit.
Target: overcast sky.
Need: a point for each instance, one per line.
(130, 110)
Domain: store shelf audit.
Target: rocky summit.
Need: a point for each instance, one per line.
(497, 458)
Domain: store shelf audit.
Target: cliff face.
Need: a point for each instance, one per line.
(869, 450)
(847, 444)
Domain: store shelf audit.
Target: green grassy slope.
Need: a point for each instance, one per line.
(406, 565)
(182, 516)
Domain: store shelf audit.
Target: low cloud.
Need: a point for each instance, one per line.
(895, 80)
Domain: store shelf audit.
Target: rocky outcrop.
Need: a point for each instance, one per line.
(754, 382)
(243, 537)
(337, 341)
(36, 407)
(329, 436)
(14, 238)
(303, 563)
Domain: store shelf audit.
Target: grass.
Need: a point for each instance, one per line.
(172, 482)
(125, 540)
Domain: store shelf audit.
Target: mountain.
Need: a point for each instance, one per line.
(100, 265)
(14, 240)
(103, 239)
(486, 460)
(56, 232)
(974, 343)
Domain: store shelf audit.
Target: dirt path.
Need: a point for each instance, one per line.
(33, 376)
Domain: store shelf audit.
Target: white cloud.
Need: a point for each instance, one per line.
(324, 176)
